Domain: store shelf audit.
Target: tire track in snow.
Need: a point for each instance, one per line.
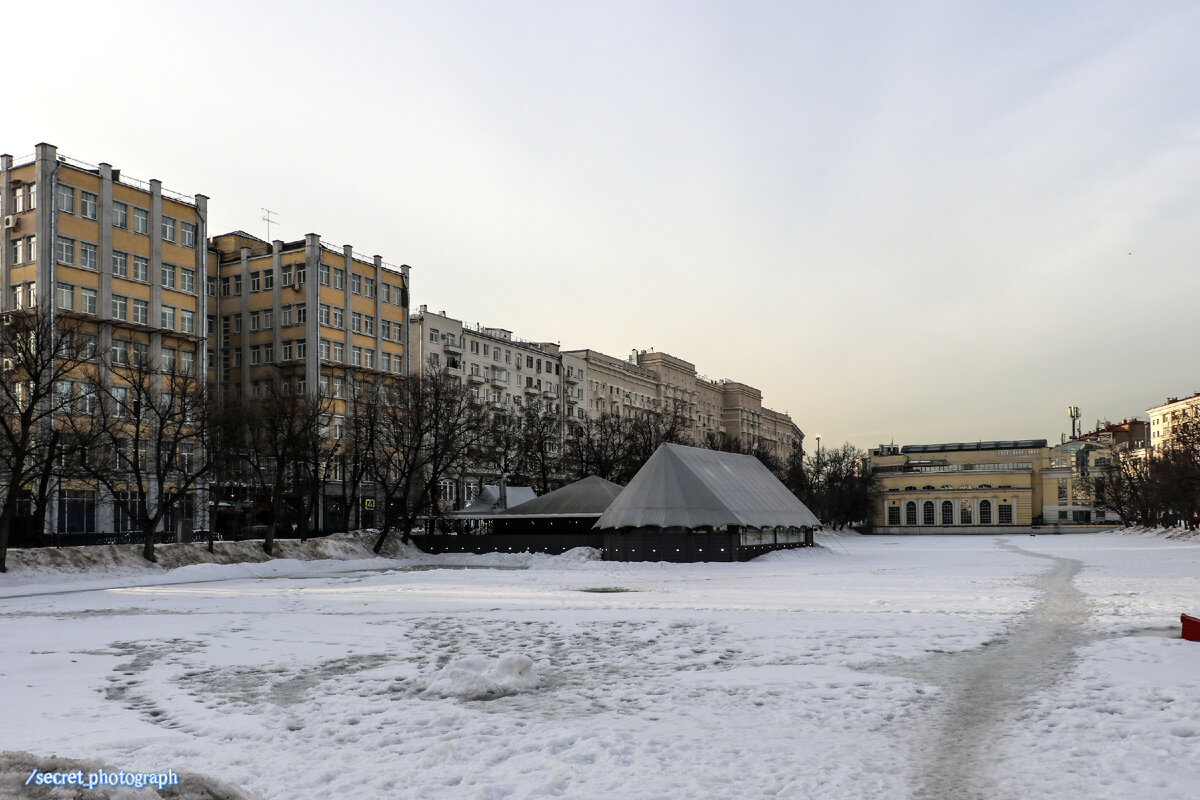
(983, 690)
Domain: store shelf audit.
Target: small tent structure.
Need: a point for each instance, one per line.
(693, 504)
(562, 519)
(487, 502)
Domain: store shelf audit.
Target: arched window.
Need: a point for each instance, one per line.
(985, 512)
(964, 512)
(928, 488)
(910, 513)
(927, 514)
(910, 488)
(985, 486)
(947, 512)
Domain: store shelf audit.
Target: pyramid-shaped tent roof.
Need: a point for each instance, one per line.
(586, 498)
(691, 487)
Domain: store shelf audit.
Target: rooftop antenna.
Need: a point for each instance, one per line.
(267, 219)
(1073, 413)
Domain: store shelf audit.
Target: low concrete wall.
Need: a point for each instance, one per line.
(983, 530)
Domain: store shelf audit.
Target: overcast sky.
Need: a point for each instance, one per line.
(910, 222)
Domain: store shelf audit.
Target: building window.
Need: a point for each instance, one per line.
(368, 287)
(356, 322)
(141, 221)
(25, 198)
(87, 301)
(120, 215)
(910, 513)
(120, 352)
(168, 276)
(893, 515)
(434, 336)
(168, 229)
(985, 512)
(324, 314)
(369, 358)
(323, 273)
(187, 280)
(286, 350)
(87, 256)
(87, 205)
(187, 234)
(119, 306)
(167, 314)
(356, 356)
(65, 296)
(256, 281)
(301, 349)
(120, 264)
(339, 318)
(1004, 513)
(947, 512)
(65, 250)
(141, 312)
(141, 269)
(339, 352)
(356, 283)
(66, 199)
(323, 349)
(927, 512)
(268, 279)
(339, 278)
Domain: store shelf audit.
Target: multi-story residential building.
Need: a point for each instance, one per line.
(503, 373)
(620, 387)
(123, 257)
(961, 487)
(305, 317)
(1073, 465)
(1165, 418)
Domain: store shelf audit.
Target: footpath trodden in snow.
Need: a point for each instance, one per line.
(882, 667)
(983, 691)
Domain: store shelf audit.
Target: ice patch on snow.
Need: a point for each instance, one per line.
(482, 678)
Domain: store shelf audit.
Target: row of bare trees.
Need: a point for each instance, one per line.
(143, 432)
(1159, 486)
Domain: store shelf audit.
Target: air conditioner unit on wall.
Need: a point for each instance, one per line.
(10, 222)
(9, 365)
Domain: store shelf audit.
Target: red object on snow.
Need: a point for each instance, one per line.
(1191, 628)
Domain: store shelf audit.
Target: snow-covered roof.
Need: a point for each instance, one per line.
(691, 487)
(585, 498)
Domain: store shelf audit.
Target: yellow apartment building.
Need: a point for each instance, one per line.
(1165, 418)
(124, 257)
(310, 318)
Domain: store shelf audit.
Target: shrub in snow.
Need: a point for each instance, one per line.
(482, 678)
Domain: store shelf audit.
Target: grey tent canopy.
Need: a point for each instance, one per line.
(586, 498)
(691, 487)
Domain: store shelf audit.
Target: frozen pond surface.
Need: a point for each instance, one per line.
(932, 667)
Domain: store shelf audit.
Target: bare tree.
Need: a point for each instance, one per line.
(598, 446)
(41, 359)
(272, 440)
(402, 426)
(144, 438)
(541, 444)
(428, 427)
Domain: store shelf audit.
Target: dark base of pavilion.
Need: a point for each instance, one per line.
(640, 544)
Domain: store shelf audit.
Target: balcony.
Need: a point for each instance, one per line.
(473, 378)
(452, 349)
(571, 379)
(549, 394)
(532, 391)
(497, 379)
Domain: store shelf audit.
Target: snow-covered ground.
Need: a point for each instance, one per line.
(870, 667)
